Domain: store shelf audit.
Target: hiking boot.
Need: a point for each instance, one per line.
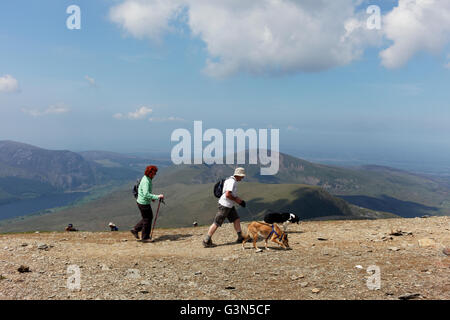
(240, 239)
(208, 244)
(135, 233)
(149, 240)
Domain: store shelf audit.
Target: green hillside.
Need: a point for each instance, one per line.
(374, 187)
(189, 203)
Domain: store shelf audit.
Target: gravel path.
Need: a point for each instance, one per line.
(328, 260)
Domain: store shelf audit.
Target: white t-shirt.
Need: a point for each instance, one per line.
(229, 185)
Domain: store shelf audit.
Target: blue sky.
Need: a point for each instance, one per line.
(69, 84)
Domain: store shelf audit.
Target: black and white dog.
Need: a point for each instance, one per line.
(285, 218)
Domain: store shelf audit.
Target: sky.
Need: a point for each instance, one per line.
(335, 86)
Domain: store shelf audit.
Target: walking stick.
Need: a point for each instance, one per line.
(156, 217)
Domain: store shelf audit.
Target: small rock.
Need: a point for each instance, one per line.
(230, 288)
(144, 291)
(426, 242)
(42, 246)
(394, 248)
(446, 251)
(198, 273)
(315, 290)
(24, 244)
(322, 239)
(409, 296)
(23, 269)
(304, 284)
(105, 267)
(358, 267)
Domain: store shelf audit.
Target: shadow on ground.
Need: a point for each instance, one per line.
(172, 237)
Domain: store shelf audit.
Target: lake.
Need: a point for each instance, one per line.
(30, 206)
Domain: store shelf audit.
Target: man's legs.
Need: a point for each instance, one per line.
(212, 229)
(207, 242)
(237, 227)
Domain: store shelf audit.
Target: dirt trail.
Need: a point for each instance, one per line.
(328, 260)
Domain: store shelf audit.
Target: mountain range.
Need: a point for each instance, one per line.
(28, 171)
(313, 191)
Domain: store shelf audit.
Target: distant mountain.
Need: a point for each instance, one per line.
(63, 170)
(360, 192)
(28, 171)
(119, 160)
(374, 187)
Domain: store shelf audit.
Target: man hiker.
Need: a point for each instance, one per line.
(145, 197)
(227, 209)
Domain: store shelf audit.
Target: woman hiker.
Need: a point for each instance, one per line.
(144, 199)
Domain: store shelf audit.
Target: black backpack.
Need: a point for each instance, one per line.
(136, 188)
(218, 188)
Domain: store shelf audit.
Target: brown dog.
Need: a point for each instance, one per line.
(269, 231)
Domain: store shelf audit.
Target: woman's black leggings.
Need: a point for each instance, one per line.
(145, 225)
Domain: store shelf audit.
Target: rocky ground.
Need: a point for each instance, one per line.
(328, 260)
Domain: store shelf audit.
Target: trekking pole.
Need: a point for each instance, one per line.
(156, 217)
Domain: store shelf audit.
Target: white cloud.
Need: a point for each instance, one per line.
(266, 37)
(8, 84)
(53, 109)
(138, 114)
(168, 119)
(142, 18)
(91, 81)
(415, 26)
(257, 36)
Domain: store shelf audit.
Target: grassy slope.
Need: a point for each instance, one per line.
(398, 190)
(186, 204)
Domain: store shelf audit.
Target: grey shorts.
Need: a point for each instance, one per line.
(224, 212)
